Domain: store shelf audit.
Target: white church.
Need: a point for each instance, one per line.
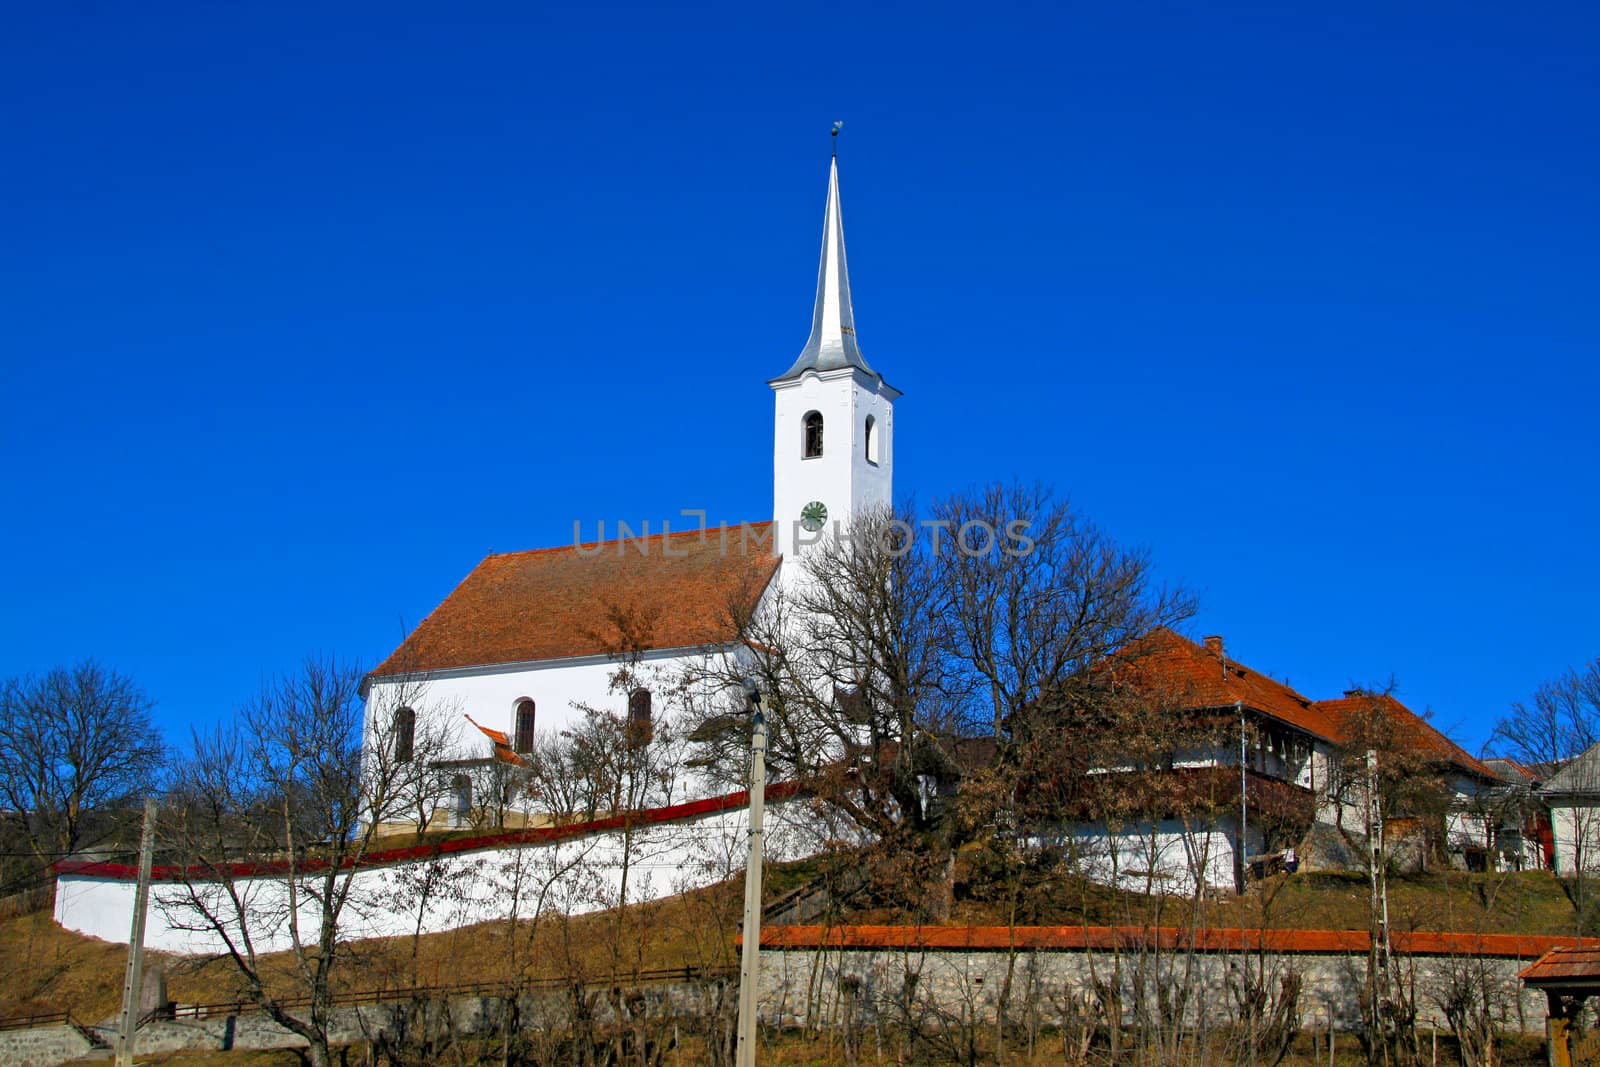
(529, 639)
(528, 644)
(532, 643)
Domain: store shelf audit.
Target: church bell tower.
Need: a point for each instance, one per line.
(833, 428)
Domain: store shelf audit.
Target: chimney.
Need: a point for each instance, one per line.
(1214, 644)
(1356, 693)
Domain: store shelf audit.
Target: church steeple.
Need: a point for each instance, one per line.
(833, 428)
(832, 344)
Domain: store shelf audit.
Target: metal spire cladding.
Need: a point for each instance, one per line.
(832, 344)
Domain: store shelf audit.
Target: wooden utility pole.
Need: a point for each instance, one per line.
(750, 953)
(1244, 801)
(135, 973)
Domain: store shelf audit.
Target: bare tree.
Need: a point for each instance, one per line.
(561, 776)
(1467, 1001)
(898, 646)
(1560, 720)
(499, 789)
(76, 749)
(271, 819)
(419, 738)
(1118, 781)
(1394, 783)
(618, 765)
(540, 886)
(852, 655)
(1573, 796)
(1559, 723)
(1037, 595)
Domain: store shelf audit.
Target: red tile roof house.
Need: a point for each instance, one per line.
(1297, 753)
(1572, 794)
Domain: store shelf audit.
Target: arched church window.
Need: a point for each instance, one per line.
(812, 440)
(641, 727)
(405, 734)
(525, 718)
(871, 437)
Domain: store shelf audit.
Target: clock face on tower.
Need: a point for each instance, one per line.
(813, 515)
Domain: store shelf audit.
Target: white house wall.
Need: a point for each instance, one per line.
(1161, 857)
(1575, 824)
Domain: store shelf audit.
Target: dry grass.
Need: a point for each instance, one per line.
(44, 968)
(235, 1058)
(1532, 902)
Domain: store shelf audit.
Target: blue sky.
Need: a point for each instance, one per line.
(304, 309)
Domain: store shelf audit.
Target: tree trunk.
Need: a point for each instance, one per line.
(317, 1053)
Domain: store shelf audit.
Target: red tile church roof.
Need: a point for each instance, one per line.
(553, 603)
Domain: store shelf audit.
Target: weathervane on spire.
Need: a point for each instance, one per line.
(837, 126)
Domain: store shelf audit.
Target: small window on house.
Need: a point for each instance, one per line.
(525, 717)
(461, 790)
(405, 734)
(871, 437)
(640, 725)
(812, 442)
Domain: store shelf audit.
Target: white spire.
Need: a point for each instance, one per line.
(832, 344)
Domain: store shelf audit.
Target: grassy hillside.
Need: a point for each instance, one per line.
(1533, 902)
(43, 968)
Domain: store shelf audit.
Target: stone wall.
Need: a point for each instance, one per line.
(809, 985)
(933, 987)
(42, 1046)
(467, 1016)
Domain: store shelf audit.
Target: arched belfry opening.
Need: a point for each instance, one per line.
(811, 435)
(870, 436)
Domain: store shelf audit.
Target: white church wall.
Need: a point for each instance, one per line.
(575, 875)
(558, 688)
